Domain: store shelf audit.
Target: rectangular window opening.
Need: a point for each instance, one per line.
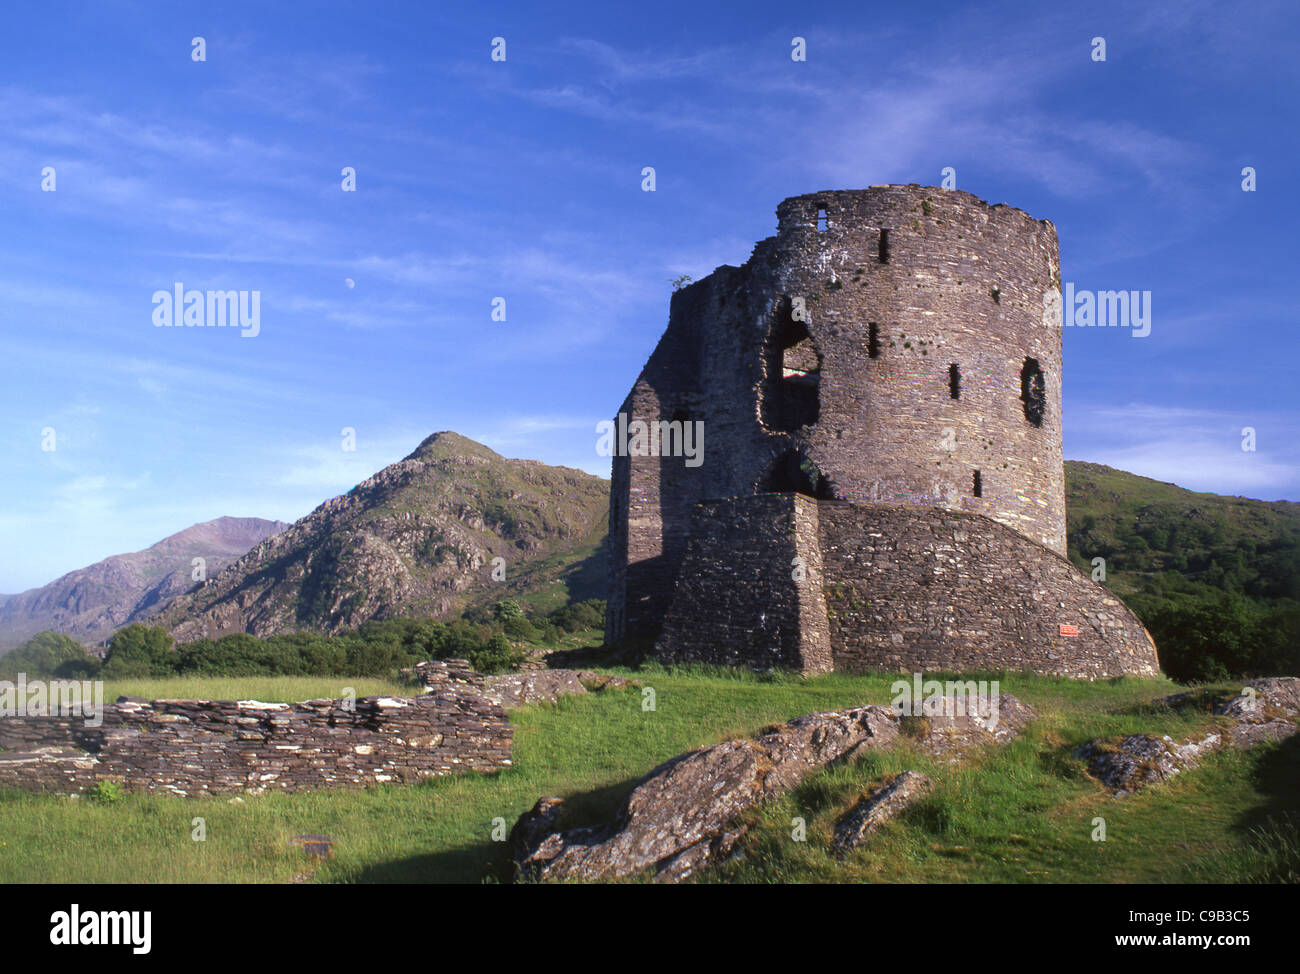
(873, 340)
(954, 381)
(884, 246)
(978, 485)
(823, 221)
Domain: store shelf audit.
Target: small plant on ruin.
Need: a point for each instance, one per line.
(106, 793)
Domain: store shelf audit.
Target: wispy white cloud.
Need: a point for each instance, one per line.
(1196, 448)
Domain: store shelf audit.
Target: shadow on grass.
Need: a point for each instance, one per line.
(1270, 830)
(490, 861)
(484, 862)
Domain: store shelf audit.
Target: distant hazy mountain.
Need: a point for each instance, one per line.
(418, 538)
(89, 603)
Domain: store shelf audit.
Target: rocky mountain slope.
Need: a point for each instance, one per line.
(89, 603)
(418, 538)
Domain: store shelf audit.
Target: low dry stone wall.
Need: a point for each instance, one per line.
(191, 747)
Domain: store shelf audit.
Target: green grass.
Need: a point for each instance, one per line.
(1019, 813)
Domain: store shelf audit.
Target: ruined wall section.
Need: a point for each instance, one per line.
(737, 602)
(705, 368)
(190, 747)
(932, 590)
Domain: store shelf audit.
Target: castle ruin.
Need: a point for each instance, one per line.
(882, 484)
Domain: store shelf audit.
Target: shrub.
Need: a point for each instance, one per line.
(49, 654)
(140, 651)
(106, 793)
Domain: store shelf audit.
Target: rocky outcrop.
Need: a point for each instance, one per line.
(687, 813)
(951, 730)
(189, 747)
(873, 810)
(1265, 710)
(1141, 759)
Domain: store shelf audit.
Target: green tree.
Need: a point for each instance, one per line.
(48, 654)
(140, 651)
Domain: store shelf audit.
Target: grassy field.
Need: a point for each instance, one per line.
(1020, 813)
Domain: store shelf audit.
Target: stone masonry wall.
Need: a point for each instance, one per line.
(737, 603)
(188, 747)
(899, 284)
(892, 588)
(919, 588)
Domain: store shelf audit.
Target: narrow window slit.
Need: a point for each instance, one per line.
(1033, 391)
(977, 487)
(884, 246)
(873, 340)
(823, 221)
(954, 381)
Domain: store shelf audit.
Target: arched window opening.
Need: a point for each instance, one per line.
(790, 396)
(792, 472)
(1033, 391)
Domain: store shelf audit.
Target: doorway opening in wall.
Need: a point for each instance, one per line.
(792, 472)
(790, 396)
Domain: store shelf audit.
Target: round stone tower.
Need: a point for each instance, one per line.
(906, 357)
(846, 454)
(887, 346)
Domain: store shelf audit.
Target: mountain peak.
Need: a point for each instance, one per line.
(447, 444)
(421, 537)
(89, 603)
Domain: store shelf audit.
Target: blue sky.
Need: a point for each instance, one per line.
(522, 179)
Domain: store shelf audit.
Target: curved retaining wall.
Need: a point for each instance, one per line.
(889, 587)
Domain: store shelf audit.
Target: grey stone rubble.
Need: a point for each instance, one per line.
(511, 690)
(873, 810)
(684, 814)
(1138, 760)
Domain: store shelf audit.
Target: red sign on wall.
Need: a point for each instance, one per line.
(1069, 630)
